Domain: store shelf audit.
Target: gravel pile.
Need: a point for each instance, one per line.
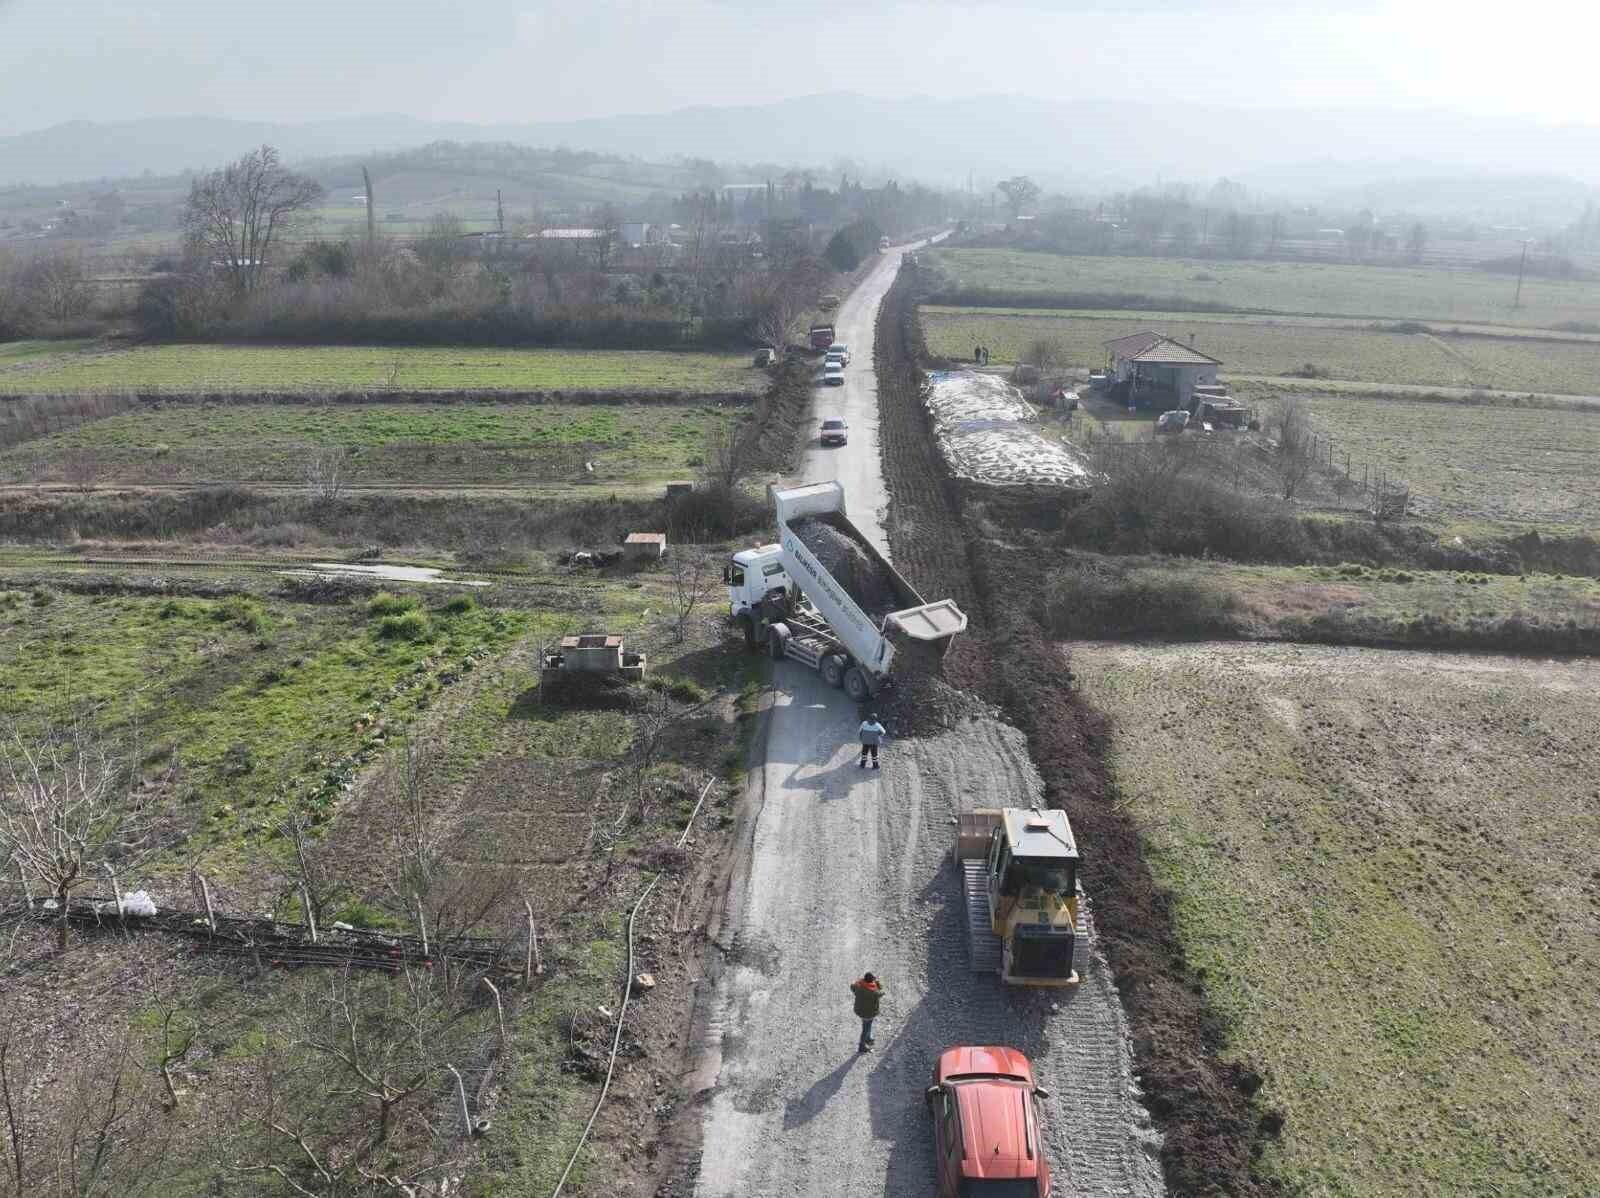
(985, 430)
(867, 581)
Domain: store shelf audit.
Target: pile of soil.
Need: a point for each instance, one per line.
(866, 580)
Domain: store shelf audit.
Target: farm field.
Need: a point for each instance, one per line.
(223, 368)
(1378, 292)
(418, 443)
(1475, 462)
(1382, 869)
(1277, 349)
(253, 705)
(12, 352)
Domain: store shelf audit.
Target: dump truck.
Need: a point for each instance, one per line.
(821, 336)
(1019, 877)
(850, 625)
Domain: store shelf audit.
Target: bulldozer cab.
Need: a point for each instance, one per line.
(1032, 852)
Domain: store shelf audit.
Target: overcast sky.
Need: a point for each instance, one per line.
(531, 60)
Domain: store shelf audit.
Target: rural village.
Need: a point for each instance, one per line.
(535, 671)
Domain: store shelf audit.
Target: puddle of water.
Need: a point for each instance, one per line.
(424, 574)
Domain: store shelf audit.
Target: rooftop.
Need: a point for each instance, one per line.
(1158, 349)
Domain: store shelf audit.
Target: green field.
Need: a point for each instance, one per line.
(1276, 349)
(1470, 462)
(1382, 870)
(512, 444)
(223, 368)
(1379, 292)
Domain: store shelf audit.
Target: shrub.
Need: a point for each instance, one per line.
(407, 626)
(1096, 597)
(386, 604)
(244, 613)
(459, 605)
(685, 690)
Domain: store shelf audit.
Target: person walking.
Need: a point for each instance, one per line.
(977, 355)
(871, 733)
(869, 998)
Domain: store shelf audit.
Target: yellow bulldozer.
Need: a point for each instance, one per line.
(1019, 874)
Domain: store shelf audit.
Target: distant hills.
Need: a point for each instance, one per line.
(1087, 144)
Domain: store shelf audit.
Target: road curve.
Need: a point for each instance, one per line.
(850, 871)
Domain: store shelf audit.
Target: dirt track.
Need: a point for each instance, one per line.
(850, 871)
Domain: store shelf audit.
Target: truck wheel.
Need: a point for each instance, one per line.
(832, 669)
(748, 627)
(856, 686)
(777, 637)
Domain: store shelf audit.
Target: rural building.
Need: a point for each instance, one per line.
(1160, 372)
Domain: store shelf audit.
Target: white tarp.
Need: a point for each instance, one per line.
(986, 432)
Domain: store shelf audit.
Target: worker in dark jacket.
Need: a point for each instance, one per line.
(869, 997)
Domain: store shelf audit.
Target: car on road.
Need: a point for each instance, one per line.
(834, 360)
(833, 376)
(835, 432)
(840, 350)
(986, 1125)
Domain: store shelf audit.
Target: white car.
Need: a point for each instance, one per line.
(840, 350)
(833, 376)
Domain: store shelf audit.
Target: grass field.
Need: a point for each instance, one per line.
(224, 368)
(1379, 292)
(1471, 462)
(1277, 349)
(13, 352)
(1386, 882)
(512, 444)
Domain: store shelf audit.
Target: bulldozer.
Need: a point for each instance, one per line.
(1019, 875)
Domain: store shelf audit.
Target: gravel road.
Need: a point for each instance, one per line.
(851, 871)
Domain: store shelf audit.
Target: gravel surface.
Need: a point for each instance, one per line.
(862, 575)
(986, 432)
(852, 872)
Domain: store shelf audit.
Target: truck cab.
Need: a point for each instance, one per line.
(752, 575)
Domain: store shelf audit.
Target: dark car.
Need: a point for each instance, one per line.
(835, 432)
(986, 1125)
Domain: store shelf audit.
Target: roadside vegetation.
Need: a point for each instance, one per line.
(1384, 885)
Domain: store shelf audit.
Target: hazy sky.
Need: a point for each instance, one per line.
(529, 60)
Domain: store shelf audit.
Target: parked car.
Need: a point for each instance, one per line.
(828, 303)
(841, 349)
(833, 359)
(835, 432)
(833, 376)
(1174, 421)
(986, 1125)
(766, 357)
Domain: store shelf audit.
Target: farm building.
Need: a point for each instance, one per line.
(1160, 372)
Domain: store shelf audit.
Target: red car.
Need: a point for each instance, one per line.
(986, 1126)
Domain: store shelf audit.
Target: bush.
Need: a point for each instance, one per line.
(459, 605)
(685, 690)
(1094, 598)
(386, 604)
(244, 613)
(408, 626)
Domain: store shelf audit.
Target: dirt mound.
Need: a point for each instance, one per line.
(868, 582)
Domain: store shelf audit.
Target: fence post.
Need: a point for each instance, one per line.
(205, 895)
(534, 962)
(499, 1010)
(422, 926)
(116, 891)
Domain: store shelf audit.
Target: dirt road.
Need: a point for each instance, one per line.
(850, 871)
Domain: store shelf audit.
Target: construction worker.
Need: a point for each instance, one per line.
(871, 733)
(869, 997)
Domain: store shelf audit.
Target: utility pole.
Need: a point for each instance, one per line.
(372, 228)
(1522, 265)
(499, 212)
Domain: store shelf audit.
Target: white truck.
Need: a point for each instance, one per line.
(791, 604)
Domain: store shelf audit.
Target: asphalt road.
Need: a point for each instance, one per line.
(849, 871)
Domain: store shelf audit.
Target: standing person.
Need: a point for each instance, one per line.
(871, 733)
(977, 355)
(869, 998)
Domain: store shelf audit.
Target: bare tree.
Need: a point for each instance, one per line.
(693, 582)
(779, 313)
(1046, 353)
(726, 457)
(66, 808)
(55, 286)
(325, 475)
(234, 215)
(1417, 240)
(1296, 458)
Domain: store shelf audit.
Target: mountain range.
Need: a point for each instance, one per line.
(1089, 144)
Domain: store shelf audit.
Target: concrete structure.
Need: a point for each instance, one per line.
(1160, 372)
(645, 546)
